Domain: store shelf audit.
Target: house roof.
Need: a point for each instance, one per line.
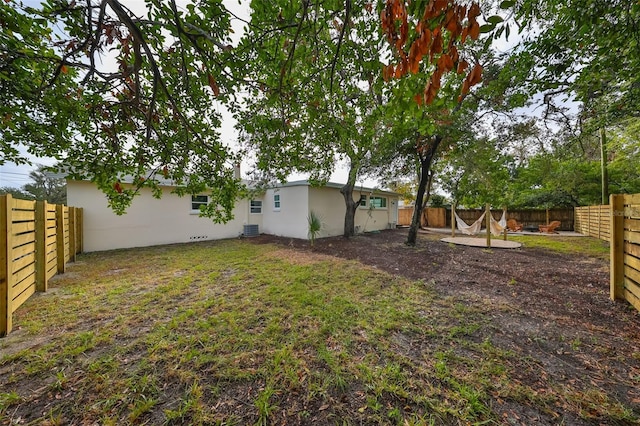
(357, 188)
(168, 182)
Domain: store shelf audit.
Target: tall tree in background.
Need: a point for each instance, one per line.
(16, 193)
(586, 51)
(114, 92)
(46, 187)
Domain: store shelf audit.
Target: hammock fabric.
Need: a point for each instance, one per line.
(497, 227)
(472, 229)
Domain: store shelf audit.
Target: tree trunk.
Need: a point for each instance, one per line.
(426, 157)
(350, 214)
(351, 205)
(425, 218)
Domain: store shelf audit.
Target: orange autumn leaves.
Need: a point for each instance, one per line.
(443, 23)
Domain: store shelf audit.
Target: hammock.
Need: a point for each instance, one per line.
(497, 227)
(472, 229)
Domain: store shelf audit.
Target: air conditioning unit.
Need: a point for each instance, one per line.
(251, 231)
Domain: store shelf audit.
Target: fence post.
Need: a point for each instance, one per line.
(488, 223)
(547, 216)
(41, 246)
(504, 212)
(616, 283)
(453, 220)
(80, 220)
(5, 265)
(60, 237)
(72, 234)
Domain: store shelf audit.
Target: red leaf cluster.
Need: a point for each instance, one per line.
(393, 12)
(439, 16)
(213, 85)
(473, 78)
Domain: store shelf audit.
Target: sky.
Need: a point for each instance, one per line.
(16, 176)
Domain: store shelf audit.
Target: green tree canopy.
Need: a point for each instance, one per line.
(316, 99)
(119, 94)
(582, 50)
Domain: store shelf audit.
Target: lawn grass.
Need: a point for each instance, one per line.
(235, 333)
(586, 246)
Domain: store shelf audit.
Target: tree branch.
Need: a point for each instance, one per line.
(347, 13)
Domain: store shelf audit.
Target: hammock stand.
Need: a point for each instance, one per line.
(493, 226)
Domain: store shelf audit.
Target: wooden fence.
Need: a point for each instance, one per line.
(431, 216)
(37, 239)
(625, 248)
(404, 216)
(528, 217)
(594, 221)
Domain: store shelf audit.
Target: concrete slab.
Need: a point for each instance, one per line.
(482, 242)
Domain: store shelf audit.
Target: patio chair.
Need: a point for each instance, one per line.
(513, 225)
(550, 228)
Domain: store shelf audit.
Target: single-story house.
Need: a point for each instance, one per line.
(282, 210)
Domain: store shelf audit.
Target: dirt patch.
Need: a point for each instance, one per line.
(551, 310)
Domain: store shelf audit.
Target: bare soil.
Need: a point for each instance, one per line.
(552, 310)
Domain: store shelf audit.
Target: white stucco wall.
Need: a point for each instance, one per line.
(328, 203)
(378, 218)
(291, 219)
(168, 220)
(149, 221)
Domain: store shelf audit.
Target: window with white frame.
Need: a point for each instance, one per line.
(256, 206)
(197, 201)
(276, 201)
(378, 202)
(363, 201)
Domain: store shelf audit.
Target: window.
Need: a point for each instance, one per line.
(198, 200)
(378, 202)
(276, 201)
(256, 206)
(363, 201)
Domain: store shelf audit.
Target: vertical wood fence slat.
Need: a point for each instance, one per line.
(41, 246)
(67, 242)
(60, 237)
(6, 272)
(72, 234)
(36, 241)
(616, 203)
(51, 240)
(81, 231)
